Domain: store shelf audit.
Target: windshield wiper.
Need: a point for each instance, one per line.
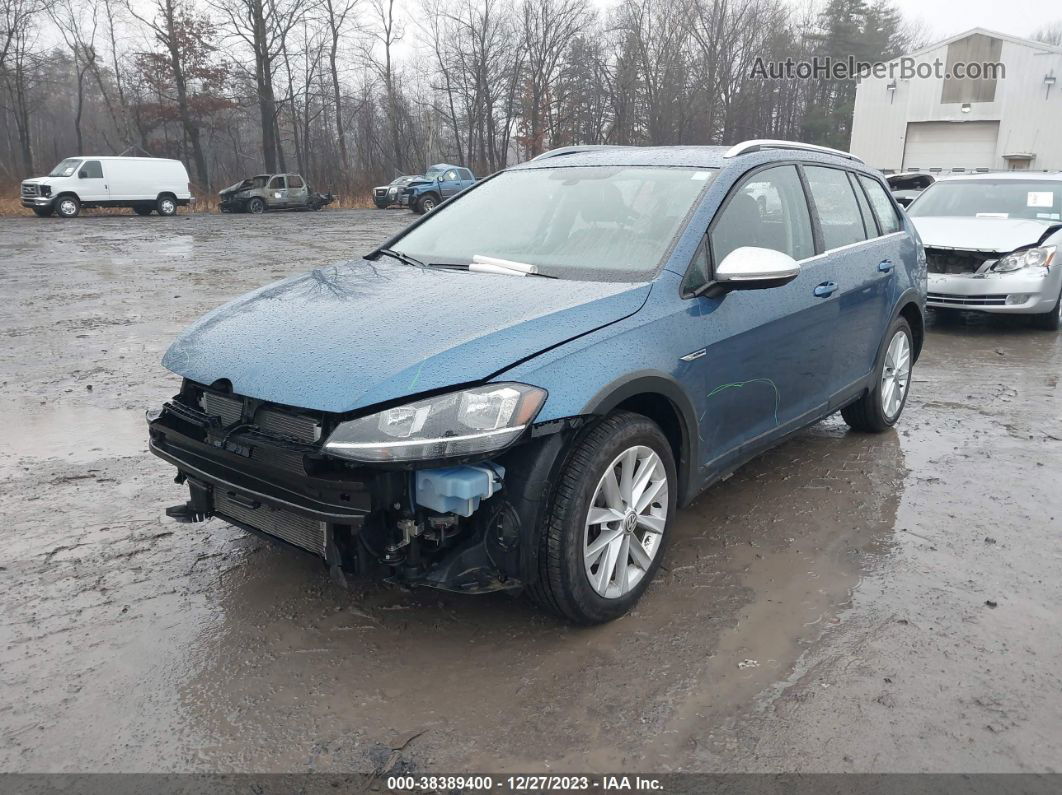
(403, 258)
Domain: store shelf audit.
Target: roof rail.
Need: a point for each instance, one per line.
(759, 144)
(571, 150)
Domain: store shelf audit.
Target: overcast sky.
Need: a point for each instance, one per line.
(943, 18)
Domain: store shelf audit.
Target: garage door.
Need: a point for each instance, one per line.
(941, 144)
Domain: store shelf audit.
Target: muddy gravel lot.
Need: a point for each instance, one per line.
(843, 603)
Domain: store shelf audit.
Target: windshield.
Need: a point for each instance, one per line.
(991, 198)
(432, 173)
(405, 180)
(66, 168)
(613, 223)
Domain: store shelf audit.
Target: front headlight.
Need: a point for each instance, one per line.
(1027, 258)
(482, 419)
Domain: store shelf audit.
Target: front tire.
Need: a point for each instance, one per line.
(1049, 321)
(68, 207)
(425, 204)
(606, 526)
(880, 408)
(256, 206)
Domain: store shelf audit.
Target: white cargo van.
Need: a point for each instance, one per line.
(147, 184)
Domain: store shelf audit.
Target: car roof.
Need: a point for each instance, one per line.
(1025, 176)
(688, 157)
(120, 157)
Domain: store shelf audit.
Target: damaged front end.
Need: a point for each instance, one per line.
(456, 519)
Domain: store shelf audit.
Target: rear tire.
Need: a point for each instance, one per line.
(568, 559)
(166, 205)
(893, 372)
(256, 206)
(1049, 321)
(67, 206)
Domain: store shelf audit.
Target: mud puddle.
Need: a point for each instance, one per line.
(68, 434)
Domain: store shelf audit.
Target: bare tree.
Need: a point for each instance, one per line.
(263, 25)
(183, 35)
(548, 29)
(339, 17)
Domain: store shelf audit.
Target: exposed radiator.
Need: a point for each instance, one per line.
(226, 409)
(308, 534)
(298, 427)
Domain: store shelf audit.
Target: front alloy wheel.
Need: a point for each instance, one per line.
(606, 524)
(625, 523)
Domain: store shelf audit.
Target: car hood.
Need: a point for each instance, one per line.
(1001, 235)
(355, 334)
(231, 189)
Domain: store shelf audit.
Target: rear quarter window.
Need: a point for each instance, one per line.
(884, 211)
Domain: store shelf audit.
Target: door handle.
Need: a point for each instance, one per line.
(885, 265)
(825, 289)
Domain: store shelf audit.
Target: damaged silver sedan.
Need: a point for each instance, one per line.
(992, 244)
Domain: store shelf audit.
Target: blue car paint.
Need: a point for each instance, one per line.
(356, 334)
(773, 360)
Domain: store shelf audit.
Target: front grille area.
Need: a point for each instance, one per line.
(297, 427)
(958, 262)
(968, 300)
(381, 191)
(227, 409)
(308, 534)
(29, 190)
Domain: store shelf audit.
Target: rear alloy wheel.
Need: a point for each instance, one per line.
(606, 526)
(1049, 321)
(166, 205)
(880, 407)
(68, 206)
(256, 206)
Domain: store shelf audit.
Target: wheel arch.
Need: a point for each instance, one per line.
(661, 399)
(912, 312)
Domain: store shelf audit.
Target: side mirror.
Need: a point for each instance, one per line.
(753, 268)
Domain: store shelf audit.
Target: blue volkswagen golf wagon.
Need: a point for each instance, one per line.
(520, 390)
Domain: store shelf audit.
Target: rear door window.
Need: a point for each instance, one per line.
(835, 202)
(768, 210)
(884, 210)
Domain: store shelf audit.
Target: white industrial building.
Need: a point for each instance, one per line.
(1009, 122)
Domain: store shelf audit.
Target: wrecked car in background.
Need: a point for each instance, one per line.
(271, 192)
(992, 244)
(907, 186)
(522, 389)
(439, 183)
(384, 196)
